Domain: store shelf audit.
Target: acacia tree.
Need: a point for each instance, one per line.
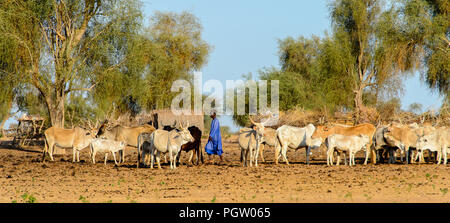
(430, 20)
(376, 42)
(169, 48)
(172, 49)
(58, 43)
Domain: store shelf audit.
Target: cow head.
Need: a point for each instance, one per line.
(425, 142)
(365, 139)
(185, 133)
(260, 127)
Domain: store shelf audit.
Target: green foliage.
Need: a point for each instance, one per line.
(28, 198)
(99, 59)
(430, 22)
(172, 49)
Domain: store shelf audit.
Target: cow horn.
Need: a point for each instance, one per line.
(251, 120)
(181, 125)
(268, 119)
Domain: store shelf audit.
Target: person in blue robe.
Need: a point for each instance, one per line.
(214, 144)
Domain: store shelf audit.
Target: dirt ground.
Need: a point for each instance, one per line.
(24, 178)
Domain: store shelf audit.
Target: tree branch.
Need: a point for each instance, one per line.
(80, 89)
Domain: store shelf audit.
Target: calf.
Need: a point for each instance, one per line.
(438, 141)
(123, 133)
(269, 138)
(322, 132)
(106, 145)
(350, 144)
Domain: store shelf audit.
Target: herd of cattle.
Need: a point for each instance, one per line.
(377, 142)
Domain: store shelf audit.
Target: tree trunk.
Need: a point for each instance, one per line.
(55, 107)
(359, 106)
(2, 124)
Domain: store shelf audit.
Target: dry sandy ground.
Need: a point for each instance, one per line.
(23, 178)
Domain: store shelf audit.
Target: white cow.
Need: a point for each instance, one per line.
(295, 138)
(162, 141)
(106, 146)
(437, 141)
(350, 144)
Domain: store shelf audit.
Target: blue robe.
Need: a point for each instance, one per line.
(214, 146)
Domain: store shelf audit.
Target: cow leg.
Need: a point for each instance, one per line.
(144, 158)
(50, 151)
(255, 155)
(114, 156)
(191, 157)
(345, 158)
(106, 157)
(277, 153)
(45, 150)
(391, 156)
(152, 158)
(414, 159)
(261, 153)
(368, 152)
(123, 156)
(174, 160)
(74, 153)
(338, 158)
(158, 159)
(350, 158)
(330, 157)
(439, 156)
(372, 151)
(93, 157)
(250, 151)
(308, 151)
(244, 157)
(283, 153)
(444, 151)
(78, 155)
(379, 155)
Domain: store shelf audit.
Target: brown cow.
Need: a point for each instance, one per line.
(193, 146)
(126, 134)
(322, 132)
(76, 138)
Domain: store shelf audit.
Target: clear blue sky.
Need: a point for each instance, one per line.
(245, 36)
